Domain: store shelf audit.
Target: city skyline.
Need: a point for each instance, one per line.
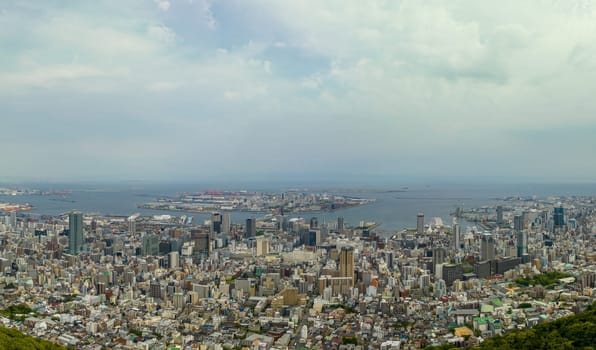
(203, 90)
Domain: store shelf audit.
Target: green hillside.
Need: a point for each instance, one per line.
(572, 332)
(11, 339)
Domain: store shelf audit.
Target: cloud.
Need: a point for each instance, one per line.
(326, 84)
(163, 5)
(161, 33)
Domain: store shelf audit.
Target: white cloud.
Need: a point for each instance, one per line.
(163, 5)
(162, 33)
(205, 6)
(400, 77)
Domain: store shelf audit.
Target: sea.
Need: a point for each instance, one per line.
(395, 206)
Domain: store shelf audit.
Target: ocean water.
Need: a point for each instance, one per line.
(395, 207)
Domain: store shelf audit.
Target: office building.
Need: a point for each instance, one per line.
(251, 228)
(216, 222)
(312, 238)
(262, 246)
(340, 224)
(179, 300)
(483, 269)
(420, 223)
(314, 223)
(155, 290)
(173, 260)
(226, 223)
(75, 235)
(132, 225)
(389, 259)
(13, 219)
(499, 215)
(487, 248)
(559, 217)
(456, 237)
(522, 243)
(452, 272)
(202, 245)
(150, 245)
(518, 223)
(439, 257)
(346, 263)
(503, 265)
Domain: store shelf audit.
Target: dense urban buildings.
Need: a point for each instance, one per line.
(91, 281)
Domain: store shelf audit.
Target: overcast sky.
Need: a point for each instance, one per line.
(193, 90)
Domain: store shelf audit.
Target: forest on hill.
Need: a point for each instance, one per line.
(11, 339)
(572, 332)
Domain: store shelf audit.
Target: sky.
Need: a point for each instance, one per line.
(170, 90)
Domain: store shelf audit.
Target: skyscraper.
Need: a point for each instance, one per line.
(251, 228)
(75, 236)
(150, 245)
(439, 257)
(499, 215)
(202, 245)
(262, 246)
(173, 260)
(389, 256)
(132, 225)
(559, 217)
(340, 224)
(13, 219)
(487, 248)
(420, 223)
(456, 237)
(314, 223)
(518, 223)
(226, 223)
(522, 243)
(216, 220)
(346, 263)
(312, 238)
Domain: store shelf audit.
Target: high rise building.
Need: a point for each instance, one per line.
(314, 223)
(262, 246)
(155, 290)
(518, 223)
(439, 257)
(487, 248)
(456, 237)
(340, 224)
(216, 222)
(173, 260)
(346, 263)
(420, 223)
(75, 235)
(522, 243)
(179, 300)
(13, 219)
(559, 217)
(499, 215)
(526, 220)
(150, 245)
(312, 238)
(226, 223)
(132, 225)
(251, 228)
(202, 245)
(389, 259)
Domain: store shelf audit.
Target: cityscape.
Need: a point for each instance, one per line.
(153, 282)
(297, 174)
